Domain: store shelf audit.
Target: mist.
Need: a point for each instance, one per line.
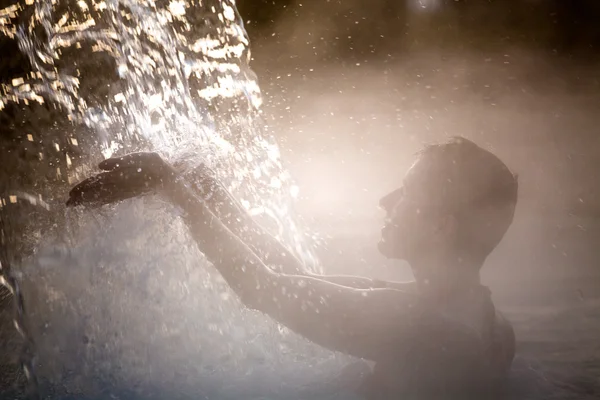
(351, 90)
(352, 93)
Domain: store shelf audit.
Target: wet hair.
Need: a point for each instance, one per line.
(477, 188)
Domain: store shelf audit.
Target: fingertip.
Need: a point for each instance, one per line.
(109, 164)
(71, 202)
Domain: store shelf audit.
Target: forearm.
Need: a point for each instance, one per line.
(236, 262)
(236, 218)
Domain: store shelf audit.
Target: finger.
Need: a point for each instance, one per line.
(128, 160)
(108, 187)
(89, 191)
(116, 162)
(76, 194)
(99, 198)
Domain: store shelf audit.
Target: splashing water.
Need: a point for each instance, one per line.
(110, 77)
(183, 87)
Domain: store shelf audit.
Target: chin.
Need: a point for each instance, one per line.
(386, 249)
(391, 248)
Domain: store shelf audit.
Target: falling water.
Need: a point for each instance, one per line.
(176, 80)
(121, 301)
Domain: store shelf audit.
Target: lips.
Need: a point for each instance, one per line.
(386, 235)
(387, 228)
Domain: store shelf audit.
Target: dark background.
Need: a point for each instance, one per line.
(565, 27)
(352, 89)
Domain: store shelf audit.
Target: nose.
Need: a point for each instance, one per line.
(389, 201)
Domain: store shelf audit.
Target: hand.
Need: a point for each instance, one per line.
(129, 176)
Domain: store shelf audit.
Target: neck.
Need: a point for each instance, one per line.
(439, 275)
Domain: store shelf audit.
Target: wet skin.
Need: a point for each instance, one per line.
(443, 330)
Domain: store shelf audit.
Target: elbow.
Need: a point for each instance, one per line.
(250, 297)
(259, 296)
(250, 301)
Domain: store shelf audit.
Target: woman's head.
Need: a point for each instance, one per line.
(457, 200)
